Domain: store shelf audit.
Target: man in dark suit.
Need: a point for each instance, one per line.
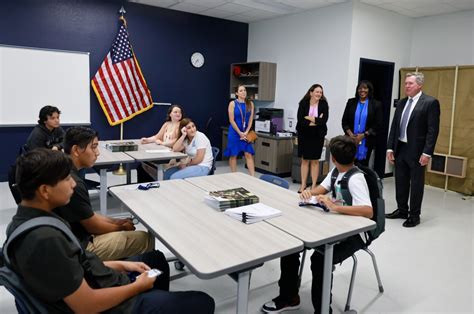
(411, 143)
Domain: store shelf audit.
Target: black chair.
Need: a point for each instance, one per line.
(12, 179)
(25, 302)
(275, 180)
(208, 125)
(215, 153)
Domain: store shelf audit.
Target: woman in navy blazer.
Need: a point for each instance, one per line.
(363, 121)
(313, 113)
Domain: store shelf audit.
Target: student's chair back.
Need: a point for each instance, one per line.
(275, 180)
(12, 179)
(25, 302)
(215, 153)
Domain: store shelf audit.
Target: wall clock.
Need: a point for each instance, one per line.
(197, 59)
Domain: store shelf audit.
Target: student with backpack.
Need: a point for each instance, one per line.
(65, 278)
(343, 151)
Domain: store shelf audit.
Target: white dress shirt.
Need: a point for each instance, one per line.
(415, 101)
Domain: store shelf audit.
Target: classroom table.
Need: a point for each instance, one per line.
(154, 152)
(107, 158)
(145, 152)
(207, 241)
(309, 224)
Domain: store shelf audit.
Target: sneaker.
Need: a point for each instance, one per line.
(280, 304)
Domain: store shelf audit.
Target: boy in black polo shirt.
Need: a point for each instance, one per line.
(50, 264)
(109, 238)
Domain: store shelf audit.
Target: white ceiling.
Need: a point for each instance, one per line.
(257, 10)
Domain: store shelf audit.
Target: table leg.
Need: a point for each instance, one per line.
(243, 292)
(160, 169)
(328, 250)
(129, 173)
(103, 191)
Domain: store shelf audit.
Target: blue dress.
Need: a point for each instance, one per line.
(235, 146)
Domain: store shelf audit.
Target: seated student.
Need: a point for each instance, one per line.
(343, 150)
(198, 148)
(52, 267)
(167, 136)
(109, 238)
(47, 133)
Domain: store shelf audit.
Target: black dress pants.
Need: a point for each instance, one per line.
(409, 182)
(289, 266)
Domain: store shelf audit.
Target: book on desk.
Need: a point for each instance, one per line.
(230, 198)
(122, 146)
(253, 213)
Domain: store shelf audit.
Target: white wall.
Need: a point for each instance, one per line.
(311, 47)
(443, 40)
(372, 40)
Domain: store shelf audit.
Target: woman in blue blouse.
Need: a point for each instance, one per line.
(241, 112)
(362, 120)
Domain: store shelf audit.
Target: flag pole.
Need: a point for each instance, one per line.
(121, 171)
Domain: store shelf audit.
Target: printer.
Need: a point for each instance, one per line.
(269, 120)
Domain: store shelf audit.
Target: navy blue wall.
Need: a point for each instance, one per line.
(163, 41)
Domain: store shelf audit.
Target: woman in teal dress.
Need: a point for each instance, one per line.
(241, 111)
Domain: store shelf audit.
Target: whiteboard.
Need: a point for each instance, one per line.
(31, 78)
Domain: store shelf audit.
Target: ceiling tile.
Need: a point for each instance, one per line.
(461, 4)
(261, 14)
(234, 8)
(217, 13)
(253, 10)
(157, 3)
(188, 7)
(435, 9)
(206, 3)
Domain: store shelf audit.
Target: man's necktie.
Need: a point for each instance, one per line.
(406, 114)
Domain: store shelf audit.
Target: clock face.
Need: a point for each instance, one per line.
(197, 59)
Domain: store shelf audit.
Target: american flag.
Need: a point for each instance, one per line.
(119, 83)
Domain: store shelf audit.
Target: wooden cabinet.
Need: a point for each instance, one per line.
(259, 78)
(273, 154)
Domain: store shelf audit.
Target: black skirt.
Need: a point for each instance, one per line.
(310, 146)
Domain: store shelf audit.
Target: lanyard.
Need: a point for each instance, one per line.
(241, 114)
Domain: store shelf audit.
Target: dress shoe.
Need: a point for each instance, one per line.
(396, 214)
(412, 222)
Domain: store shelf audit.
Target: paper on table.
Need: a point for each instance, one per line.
(253, 213)
(311, 201)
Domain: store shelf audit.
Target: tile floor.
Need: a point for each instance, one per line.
(427, 269)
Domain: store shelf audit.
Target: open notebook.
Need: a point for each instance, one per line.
(253, 213)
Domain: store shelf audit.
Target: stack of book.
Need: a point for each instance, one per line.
(230, 198)
(122, 146)
(253, 213)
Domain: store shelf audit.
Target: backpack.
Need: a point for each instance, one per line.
(376, 196)
(24, 300)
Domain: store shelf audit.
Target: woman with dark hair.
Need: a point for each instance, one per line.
(167, 136)
(47, 133)
(313, 113)
(362, 120)
(240, 111)
(198, 148)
